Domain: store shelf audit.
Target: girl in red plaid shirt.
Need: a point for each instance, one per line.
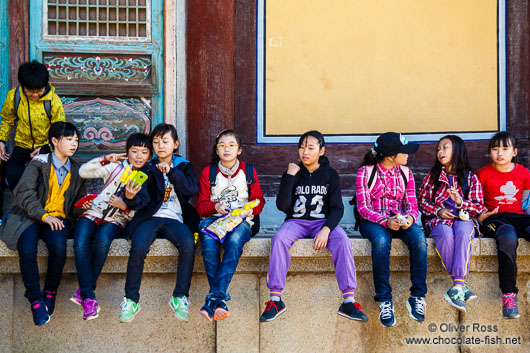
(451, 199)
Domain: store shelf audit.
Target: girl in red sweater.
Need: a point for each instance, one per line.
(225, 185)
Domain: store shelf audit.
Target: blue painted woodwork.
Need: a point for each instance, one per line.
(4, 50)
(106, 62)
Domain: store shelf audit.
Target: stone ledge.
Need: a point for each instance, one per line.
(260, 247)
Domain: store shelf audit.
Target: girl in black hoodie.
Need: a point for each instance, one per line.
(311, 198)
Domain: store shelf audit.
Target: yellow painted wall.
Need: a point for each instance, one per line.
(369, 66)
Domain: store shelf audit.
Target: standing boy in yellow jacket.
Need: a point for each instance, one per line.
(36, 107)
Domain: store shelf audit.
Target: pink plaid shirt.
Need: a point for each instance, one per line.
(430, 204)
(388, 197)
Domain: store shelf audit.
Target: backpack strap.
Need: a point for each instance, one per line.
(249, 174)
(16, 99)
(47, 104)
(405, 171)
(213, 175)
(372, 170)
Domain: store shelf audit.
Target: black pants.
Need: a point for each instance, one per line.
(27, 251)
(506, 228)
(142, 238)
(16, 165)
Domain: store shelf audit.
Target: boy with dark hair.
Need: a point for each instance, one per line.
(35, 106)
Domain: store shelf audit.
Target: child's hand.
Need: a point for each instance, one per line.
(393, 223)
(163, 167)
(320, 241)
(455, 196)
(54, 222)
(36, 152)
(410, 222)
(445, 213)
(293, 168)
(87, 205)
(115, 157)
(222, 209)
(130, 191)
(485, 214)
(3, 153)
(117, 202)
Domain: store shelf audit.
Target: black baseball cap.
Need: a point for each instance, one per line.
(392, 143)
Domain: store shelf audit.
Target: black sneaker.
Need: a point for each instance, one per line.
(40, 315)
(49, 301)
(416, 307)
(272, 310)
(352, 311)
(208, 308)
(386, 314)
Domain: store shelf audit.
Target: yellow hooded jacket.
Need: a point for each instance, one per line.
(33, 122)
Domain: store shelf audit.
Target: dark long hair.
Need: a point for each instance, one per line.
(321, 142)
(214, 159)
(460, 164)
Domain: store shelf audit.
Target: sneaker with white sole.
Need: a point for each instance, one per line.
(455, 297)
(386, 314)
(417, 308)
(129, 309)
(468, 294)
(180, 306)
(91, 309)
(510, 306)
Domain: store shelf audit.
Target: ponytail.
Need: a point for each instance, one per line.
(372, 158)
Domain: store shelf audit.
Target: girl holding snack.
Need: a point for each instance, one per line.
(44, 209)
(506, 187)
(225, 185)
(386, 201)
(451, 199)
(109, 213)
(310, 196)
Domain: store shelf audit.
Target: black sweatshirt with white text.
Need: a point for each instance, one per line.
(312, 196)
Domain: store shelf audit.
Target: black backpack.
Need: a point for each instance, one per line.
(249, 174)
(465, 190)
(371, 183)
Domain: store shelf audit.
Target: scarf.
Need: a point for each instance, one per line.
(229, 171)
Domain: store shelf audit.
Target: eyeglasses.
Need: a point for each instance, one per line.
(222, 146)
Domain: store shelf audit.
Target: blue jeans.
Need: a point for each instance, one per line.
(219, 272)
(27, 251)
(381, 239)
(179, 235)
(91, 247)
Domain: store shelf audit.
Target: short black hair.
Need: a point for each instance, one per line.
(162, 129)
(139, 139)
(33, 75)
(503, 138)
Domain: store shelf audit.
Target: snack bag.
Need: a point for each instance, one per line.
(223, 225)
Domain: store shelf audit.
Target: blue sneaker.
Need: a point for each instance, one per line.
(40, 314)
(386, 314)
(273, 309)
(352, 311)
(455, 296)
(510, 307)
(208, 309)
(468, 294)
(49, 300)
(417, 307)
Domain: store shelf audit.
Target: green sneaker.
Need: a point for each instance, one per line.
(129, 309)
(180, 307)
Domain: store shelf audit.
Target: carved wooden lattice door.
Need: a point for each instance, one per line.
(105, 60)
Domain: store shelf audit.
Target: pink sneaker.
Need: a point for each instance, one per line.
(76, 298)
(91, 308)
